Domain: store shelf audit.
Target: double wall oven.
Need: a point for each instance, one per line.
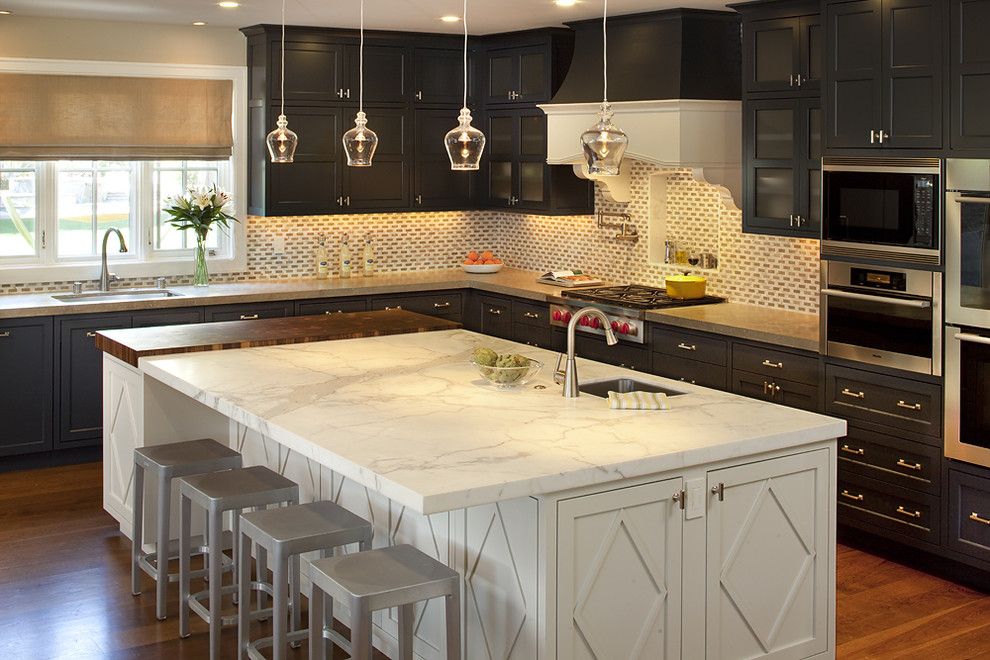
(881, 289)
(967, 310)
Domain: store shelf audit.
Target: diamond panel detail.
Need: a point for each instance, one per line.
(622, 564)
(763, 586)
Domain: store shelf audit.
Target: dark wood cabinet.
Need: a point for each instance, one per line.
(771, 374)
(26, 370)
(330, 306)
(384, 185)
(79, 374)
(782, 138)
(884, 76)
(435, 75)
(692, 357)
(444, 304)
(969, 73)
(518, 75)
(435, 185)
(249, 311)
(782, 118)
(782, 54)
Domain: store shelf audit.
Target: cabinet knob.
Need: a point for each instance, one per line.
(513, 95)
(344, 93)
(719, 490)
(513, 200)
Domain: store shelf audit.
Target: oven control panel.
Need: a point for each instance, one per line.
(626, 327)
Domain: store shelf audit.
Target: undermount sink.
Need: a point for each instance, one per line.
(116, 295)
(622, 385)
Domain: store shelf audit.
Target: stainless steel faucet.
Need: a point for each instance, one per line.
(106, 277)
(570, 378)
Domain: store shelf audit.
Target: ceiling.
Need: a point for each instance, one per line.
(484, 16)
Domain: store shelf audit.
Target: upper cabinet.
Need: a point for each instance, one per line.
(402, 74)
(884, 74)
(782, 72)
(969, 71)
(783, 54)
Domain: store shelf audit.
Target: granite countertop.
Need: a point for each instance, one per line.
(407, 416)
(773, 326)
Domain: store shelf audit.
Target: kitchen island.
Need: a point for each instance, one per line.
(706, 530)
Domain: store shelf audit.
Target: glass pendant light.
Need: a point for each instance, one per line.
(604, 143)
(464, 143)
(282, 141)
(360, 142)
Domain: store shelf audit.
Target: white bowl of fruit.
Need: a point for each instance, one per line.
(486, 262)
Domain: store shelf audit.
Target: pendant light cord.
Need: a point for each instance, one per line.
(605, 55)
(281, 109)
(464, 20)
(360, 64)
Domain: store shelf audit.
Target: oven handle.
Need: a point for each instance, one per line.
(975, 339)
(963, 199)
(884, 299)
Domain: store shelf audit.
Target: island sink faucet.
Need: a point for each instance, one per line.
(570, 378)
(106, 277)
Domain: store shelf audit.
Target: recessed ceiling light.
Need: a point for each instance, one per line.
(565, 3)
(4, 12)
(450, 19)
(229, 4)
(200, 23)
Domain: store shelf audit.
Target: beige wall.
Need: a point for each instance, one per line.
(47, 38)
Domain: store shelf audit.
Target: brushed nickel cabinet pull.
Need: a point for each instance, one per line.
(975, 516)
(775, 365)
(856, 395)
(5, 333)
(90, 334)
(909, 406)
(680, 497)
(858, 497)
(419, 95)
(396, 307)
(686, 347)
(496, 312)
(441, 305)
(859, 451)
(911, 466)
(912, 514)
(531, 315)
(719, 490)
(246, 317)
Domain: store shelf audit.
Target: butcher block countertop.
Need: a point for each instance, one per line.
(131, 344)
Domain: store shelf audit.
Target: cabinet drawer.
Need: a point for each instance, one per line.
(248, 312)
(891, 460)
(899, 402)
(496, 317)
(444, 304)
(530, 313)
(691, 371)
(775, 390)
(872, 503)
(330, 306)
(969, 514)
(775, 364)
(681, 343)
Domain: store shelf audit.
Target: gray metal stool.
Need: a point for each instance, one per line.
(219, 492)
(286, 533)
(397, 576)
(168, 462)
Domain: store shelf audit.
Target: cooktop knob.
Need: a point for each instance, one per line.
(584, 320)
(594, 323)
(556, 315)
(615, 326)
(567, 317)
(624, 329)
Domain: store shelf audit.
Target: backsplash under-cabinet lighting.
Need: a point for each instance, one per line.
(771, 271)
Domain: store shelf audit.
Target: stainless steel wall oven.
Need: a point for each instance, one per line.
(883, 315)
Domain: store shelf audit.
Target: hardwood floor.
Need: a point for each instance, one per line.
(65, 590)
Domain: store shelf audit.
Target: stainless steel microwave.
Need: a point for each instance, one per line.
(882, 208)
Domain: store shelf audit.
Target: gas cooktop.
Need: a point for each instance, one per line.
(635, 296)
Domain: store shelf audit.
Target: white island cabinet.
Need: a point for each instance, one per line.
(703, 531)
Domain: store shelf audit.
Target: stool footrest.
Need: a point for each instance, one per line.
(254, 648)
(230, 619)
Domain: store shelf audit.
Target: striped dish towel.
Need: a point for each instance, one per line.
(638, 401)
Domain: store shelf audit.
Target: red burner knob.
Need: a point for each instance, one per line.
(624, 329)
(584, 320)
(556, 315)
(567, 317)
(595, 323)
(615, 326)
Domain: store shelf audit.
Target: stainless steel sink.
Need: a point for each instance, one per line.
(115, 295)
(621, 385)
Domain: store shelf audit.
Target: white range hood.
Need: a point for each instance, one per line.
(704, 135)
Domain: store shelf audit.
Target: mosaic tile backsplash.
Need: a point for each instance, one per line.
(762, 270)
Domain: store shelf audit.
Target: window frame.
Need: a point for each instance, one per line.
(144, 260)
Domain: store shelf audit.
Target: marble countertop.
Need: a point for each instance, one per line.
(409, 417)
(773, 326)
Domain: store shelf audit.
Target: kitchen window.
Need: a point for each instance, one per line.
(55, 211)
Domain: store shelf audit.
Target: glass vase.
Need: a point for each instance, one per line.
(201, 275)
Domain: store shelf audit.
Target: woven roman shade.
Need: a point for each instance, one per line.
(52, 117)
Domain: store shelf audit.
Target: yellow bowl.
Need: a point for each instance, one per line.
(685, 287)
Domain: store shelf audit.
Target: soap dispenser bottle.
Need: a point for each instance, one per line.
(322, 260)
(368, 257)
(345, 259)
